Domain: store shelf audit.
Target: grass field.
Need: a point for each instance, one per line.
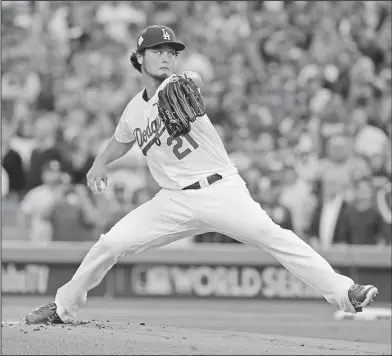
(166, 326)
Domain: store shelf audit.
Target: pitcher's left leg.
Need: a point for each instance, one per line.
(237, 215)
(160, 221)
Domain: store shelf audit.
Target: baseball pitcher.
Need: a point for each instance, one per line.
(201, 190)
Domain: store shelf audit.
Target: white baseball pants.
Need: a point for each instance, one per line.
(226, 207)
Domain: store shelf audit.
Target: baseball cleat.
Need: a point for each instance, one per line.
(361, 296)
(46, 314)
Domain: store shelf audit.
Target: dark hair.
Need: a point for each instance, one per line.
(134, 61)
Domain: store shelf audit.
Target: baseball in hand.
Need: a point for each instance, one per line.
(102, 186)
(195, 76)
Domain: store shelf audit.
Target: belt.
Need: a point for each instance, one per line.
(205, 182)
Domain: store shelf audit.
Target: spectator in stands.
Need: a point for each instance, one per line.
(74, 215)
(58, 210)
(324, 229)
(306, 160)
(270, 195)
(384, 207)
(12, 164)
(117, 205)
(22, 140)
(361, 223)
(79, 153)
(369, 139)
(379, 165)
(46, 148)
(383, 197)
(297, 196)
(252, 177)
(5, 183)
(117, 16)
(331, 125)
(37, 205)
(20, 85)
(339, 166)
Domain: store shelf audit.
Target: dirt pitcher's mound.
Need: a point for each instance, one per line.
(106, 338)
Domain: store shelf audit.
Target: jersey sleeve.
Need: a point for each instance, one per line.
(123, 131)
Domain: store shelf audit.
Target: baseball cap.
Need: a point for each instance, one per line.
(155, 35)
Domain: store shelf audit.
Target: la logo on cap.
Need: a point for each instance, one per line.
(140, 41)
(166, 35)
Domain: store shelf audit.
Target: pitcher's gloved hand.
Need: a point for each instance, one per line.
(180, 103)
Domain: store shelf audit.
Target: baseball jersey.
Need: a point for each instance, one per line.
(174, 163)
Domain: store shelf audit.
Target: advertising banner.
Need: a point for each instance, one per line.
(38, 279)
(182, 281)
(208, 281)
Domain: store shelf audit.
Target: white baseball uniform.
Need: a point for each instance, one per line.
(224, 206)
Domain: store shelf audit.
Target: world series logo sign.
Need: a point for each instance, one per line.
(218, 281)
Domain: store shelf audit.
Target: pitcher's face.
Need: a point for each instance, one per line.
(159, 61)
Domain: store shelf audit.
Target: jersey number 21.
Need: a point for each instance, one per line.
(179, 141)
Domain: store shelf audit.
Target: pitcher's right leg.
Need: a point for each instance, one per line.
(160, 221)
(229, 208)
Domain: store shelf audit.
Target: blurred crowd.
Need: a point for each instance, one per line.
(305, 113)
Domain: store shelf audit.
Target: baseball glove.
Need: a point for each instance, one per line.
(179, 104)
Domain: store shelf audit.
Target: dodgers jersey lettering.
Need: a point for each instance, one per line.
(178, 162)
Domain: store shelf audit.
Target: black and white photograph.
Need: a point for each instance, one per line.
(196, 177)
